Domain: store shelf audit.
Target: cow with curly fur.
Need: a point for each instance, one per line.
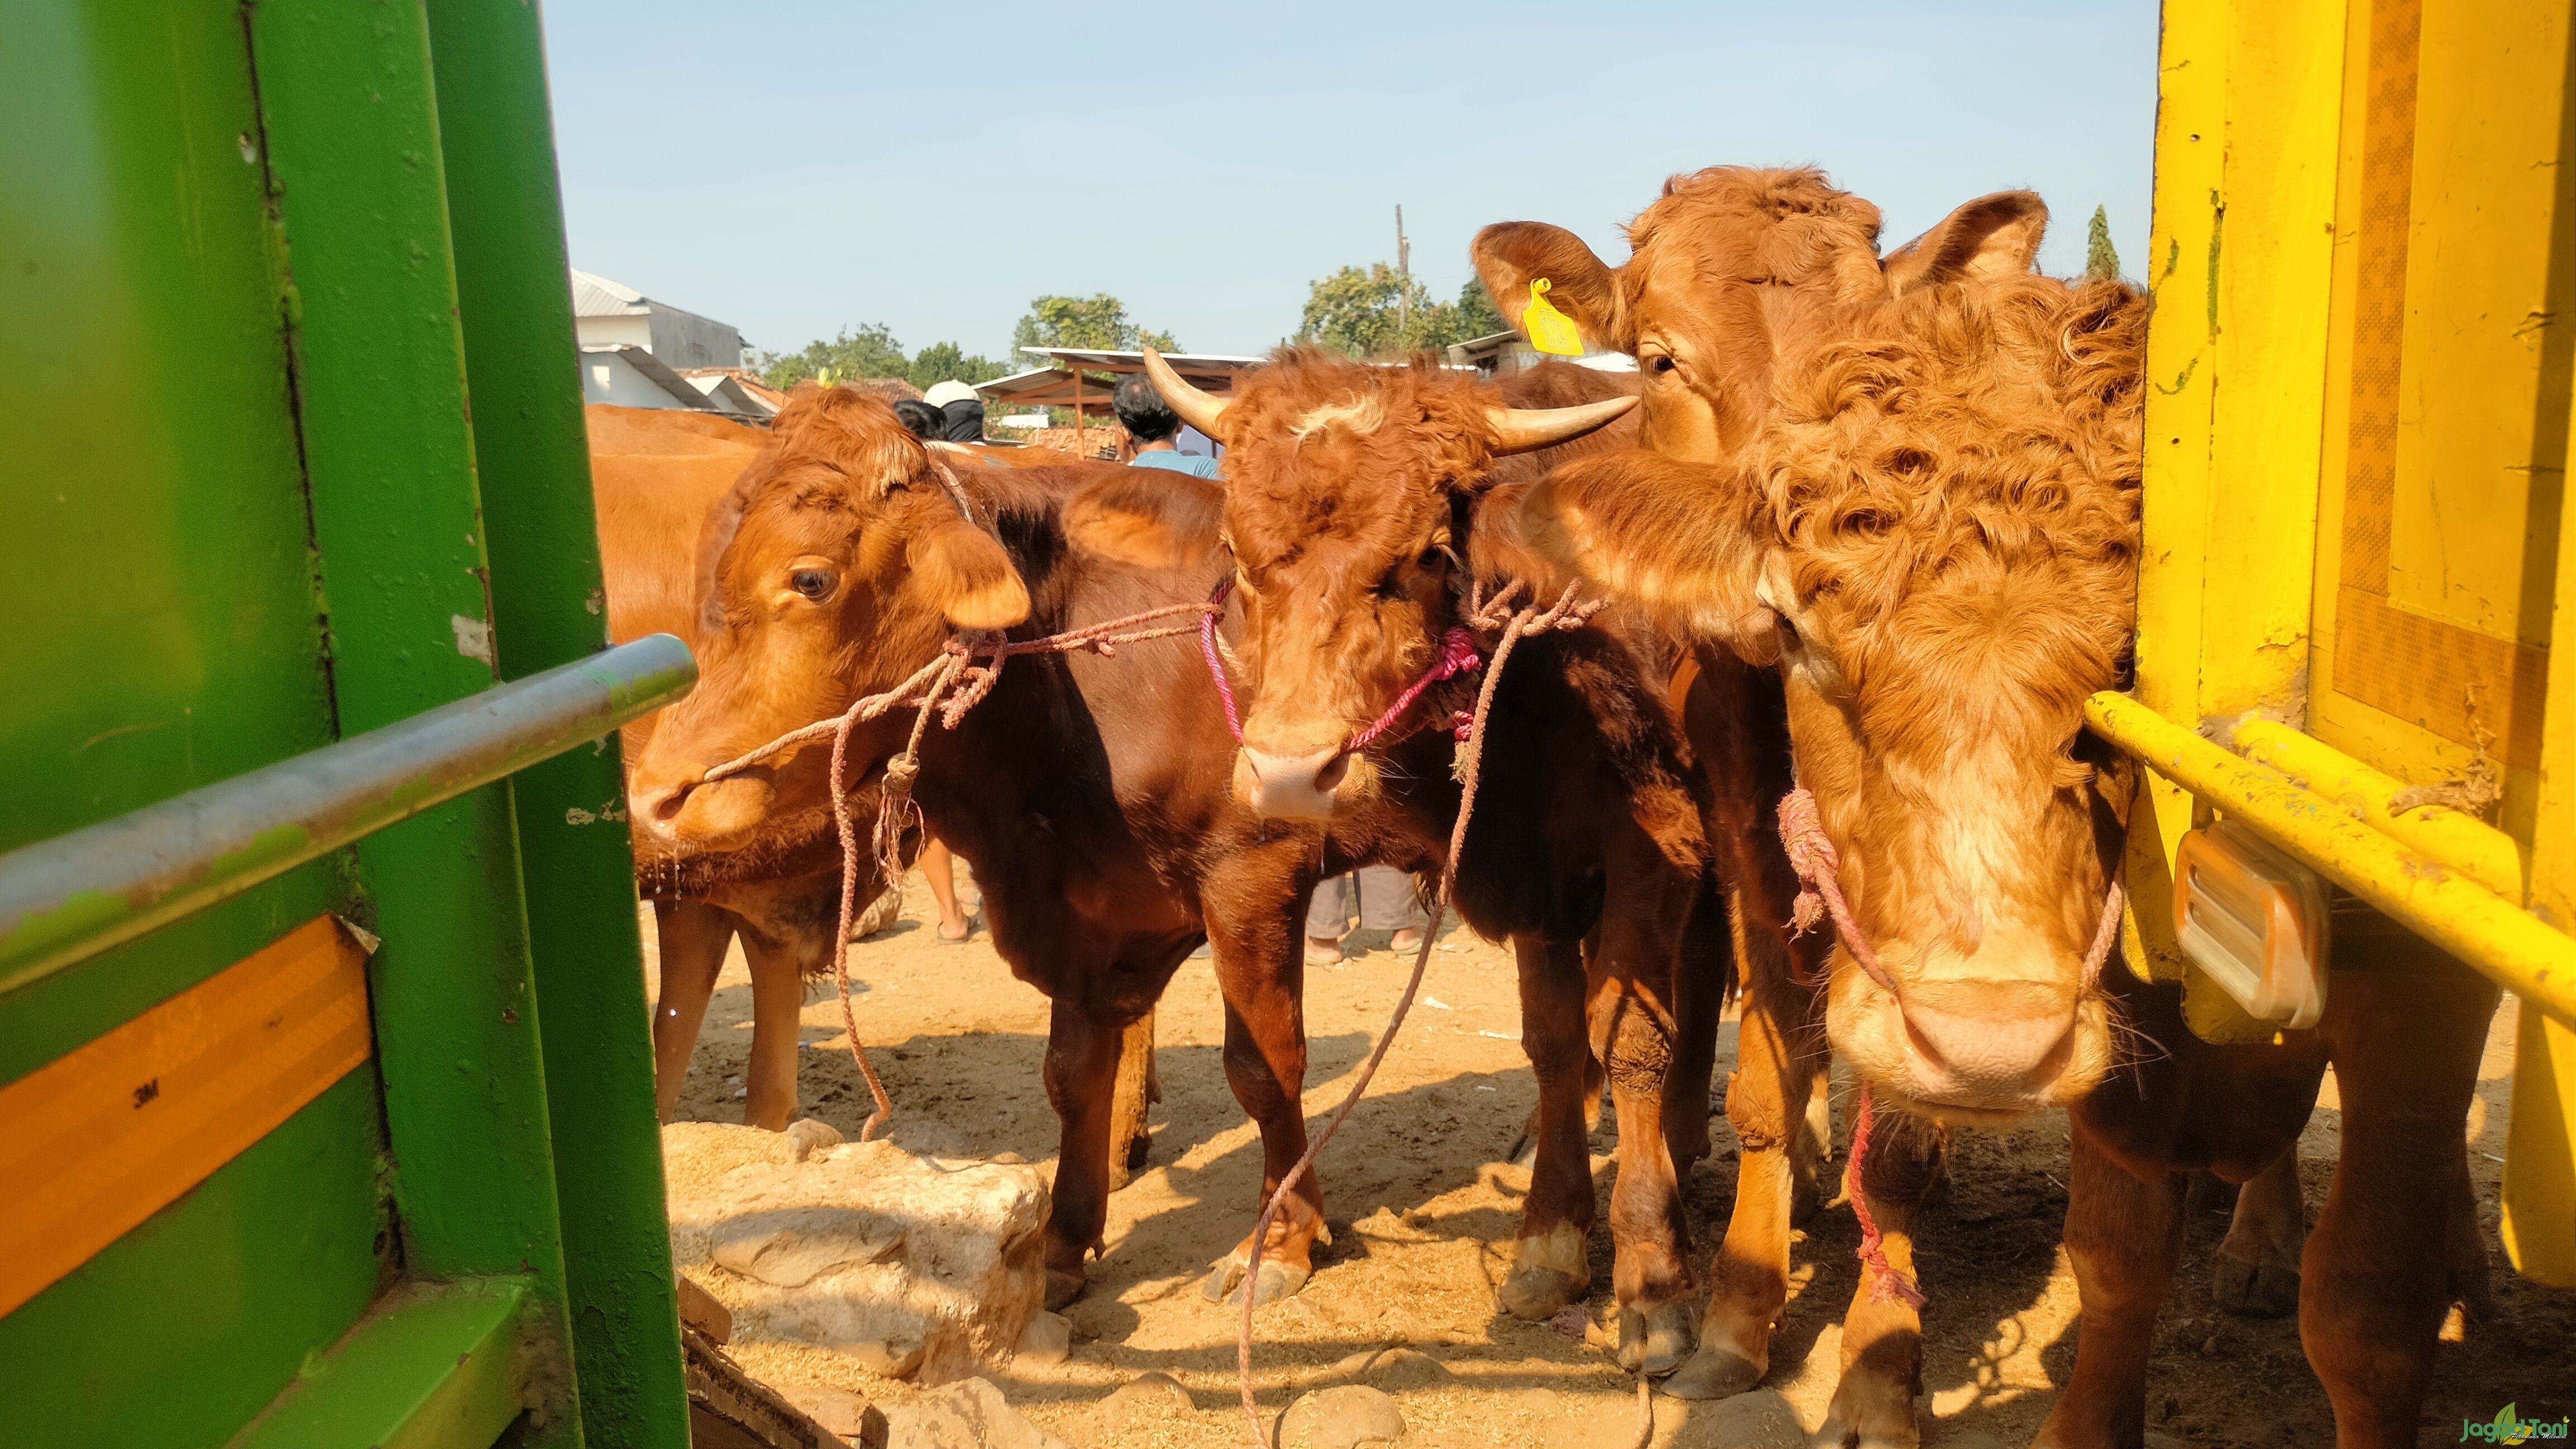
(1935, 536)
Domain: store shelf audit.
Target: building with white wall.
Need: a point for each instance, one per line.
(608, 314)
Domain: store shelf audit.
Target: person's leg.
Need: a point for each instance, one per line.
(1328, 915)
(1388, 902)
(942, 876)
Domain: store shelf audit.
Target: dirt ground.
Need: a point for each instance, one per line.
(1422, 1209)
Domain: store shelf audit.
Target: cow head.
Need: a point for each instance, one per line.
(1724, 265)
(1347, 489)
(1937, 538)
(836, 566)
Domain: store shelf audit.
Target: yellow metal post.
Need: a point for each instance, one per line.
(2355, 555)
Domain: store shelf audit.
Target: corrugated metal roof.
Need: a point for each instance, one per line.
(596, 296)
(1115, 361)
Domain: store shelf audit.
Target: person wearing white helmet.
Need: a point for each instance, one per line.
(962, 406)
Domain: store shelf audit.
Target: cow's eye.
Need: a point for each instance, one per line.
(1433, 557)
(1660, 363)
(814, 584)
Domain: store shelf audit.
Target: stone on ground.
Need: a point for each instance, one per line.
(843, 1412)
(968, 1414)
(1045, 1342)
(1394, 1368)
(1352, 1416)
(914, 1267)
(1140, 1405)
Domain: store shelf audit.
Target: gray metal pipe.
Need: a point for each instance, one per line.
(69, 898)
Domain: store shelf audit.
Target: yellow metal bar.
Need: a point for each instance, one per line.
(2539, 1227)
(2463, 842)
(2539, 1198)
(2439, 904)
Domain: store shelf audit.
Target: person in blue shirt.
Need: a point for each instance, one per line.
(1150, 422)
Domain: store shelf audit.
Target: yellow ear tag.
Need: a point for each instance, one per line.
(1548, 329)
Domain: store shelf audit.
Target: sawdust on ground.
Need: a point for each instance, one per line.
(1423, 1207)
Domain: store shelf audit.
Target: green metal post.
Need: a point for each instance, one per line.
(353, 151)
(506, 219)
(162, 636)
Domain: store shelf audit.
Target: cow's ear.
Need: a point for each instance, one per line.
(1992, 236)
(1512, 254)
(1684, 541)
(961, 571)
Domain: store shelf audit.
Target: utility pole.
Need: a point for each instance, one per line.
(1403, 278)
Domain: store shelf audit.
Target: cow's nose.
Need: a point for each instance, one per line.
(1291, 787)
(656, 808)
(1989, 1043)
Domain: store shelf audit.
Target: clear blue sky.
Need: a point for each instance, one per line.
(793, 168)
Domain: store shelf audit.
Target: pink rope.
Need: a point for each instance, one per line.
(1216, 666)
(1457, 655)
(1819, 867)
(1890, 1286)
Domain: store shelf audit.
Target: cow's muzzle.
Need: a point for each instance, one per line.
(689, 813)
(1290, 787)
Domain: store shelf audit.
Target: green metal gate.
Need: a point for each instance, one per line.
(254, 259)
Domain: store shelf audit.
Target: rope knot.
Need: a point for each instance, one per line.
(1811, 854)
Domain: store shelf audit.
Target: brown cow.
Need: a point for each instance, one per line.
(1936, 534)
(1090, 794)
(1728, 262)
(1350, 497)
(1723, 263)
(655, 475)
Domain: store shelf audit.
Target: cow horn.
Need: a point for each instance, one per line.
(1198, 409)
(1519, 430)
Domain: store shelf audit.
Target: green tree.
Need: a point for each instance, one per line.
(1361, 312)
(2099, 259)
(941, 361)
(1477, 316)
(1098, 322)
(868, 351)
(1381, 313)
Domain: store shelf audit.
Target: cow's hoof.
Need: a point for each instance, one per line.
(1715, 1372)
(1549, 1270)
(1653, 1342)
(1275, 1281)
(2253, 1290)
(1062, 1287)
(1533, 1294)
(1868, 1414)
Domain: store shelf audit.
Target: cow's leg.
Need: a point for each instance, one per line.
(1551, 1262)
(693, 937)
(1261, 971)
(1699, 998)
(2122, 1234)
(1812, 1145)
(2378, 1268)
(1630, 1016)
(2471, 1283)
(1873, 1405)
(2257, 1270)
(777, 1020)
(1779, 1050)
(1136, 1092)
(1081, 1077)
